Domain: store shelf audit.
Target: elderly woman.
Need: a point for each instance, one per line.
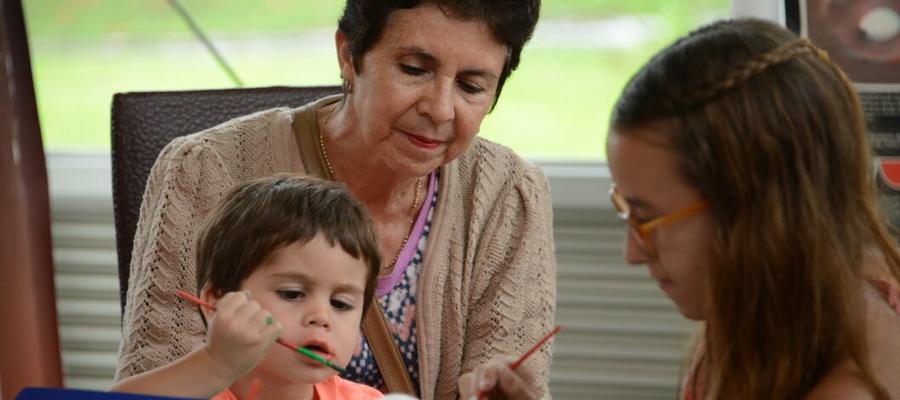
(464, 225)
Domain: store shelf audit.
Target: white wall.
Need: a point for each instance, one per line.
(772, 10)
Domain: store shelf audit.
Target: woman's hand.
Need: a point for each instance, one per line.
(497, 381)
(240, 334)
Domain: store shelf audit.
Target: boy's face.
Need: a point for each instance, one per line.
(316, 292)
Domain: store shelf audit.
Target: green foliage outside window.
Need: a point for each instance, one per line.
(554, 107)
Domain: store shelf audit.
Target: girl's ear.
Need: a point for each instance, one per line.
(208, 295)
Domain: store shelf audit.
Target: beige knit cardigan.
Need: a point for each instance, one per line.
(488, 281)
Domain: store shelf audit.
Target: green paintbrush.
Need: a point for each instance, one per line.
(302, 350)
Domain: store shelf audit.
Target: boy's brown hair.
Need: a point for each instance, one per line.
(259, 217)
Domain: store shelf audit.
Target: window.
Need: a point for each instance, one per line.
(555, 107)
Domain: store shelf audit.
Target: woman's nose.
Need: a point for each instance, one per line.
(437, 102)
(633, 251)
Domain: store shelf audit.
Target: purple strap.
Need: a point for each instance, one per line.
(387, 282)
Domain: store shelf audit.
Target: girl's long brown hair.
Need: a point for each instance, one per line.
(771, 133)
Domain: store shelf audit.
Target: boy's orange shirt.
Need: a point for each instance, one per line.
(334, 388)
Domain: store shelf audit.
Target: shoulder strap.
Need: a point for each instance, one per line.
(374, 325)
(386, 354)
(306, 133)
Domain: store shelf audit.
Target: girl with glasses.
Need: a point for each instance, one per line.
(742, 169)
(741, 164)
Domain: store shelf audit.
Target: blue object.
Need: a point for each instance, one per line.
(78, 394)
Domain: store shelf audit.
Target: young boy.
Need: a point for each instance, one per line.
(288, 257)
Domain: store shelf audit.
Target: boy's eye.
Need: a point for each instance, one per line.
(290, 294)
(341, 305)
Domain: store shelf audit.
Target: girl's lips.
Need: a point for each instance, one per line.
(422, 142)
(664, 285)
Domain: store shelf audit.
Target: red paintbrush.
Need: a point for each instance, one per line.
(515, 364)
(302, 350)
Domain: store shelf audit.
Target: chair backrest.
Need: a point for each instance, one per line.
(143, 123)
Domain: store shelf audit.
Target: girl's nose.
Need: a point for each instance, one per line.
(633, 250)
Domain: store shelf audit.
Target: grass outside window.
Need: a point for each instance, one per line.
(555, 106)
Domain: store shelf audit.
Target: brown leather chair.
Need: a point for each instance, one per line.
(143, 123)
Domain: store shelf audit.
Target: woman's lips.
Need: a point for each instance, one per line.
(422, 142)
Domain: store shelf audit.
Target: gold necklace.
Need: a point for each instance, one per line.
(412, 211)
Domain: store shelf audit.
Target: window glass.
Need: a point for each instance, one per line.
(555, 107)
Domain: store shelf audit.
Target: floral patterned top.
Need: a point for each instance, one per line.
(399, 306)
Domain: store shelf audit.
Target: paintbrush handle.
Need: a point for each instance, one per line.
(310, 354)
(194, 299)
(515, 364)
(302, 350)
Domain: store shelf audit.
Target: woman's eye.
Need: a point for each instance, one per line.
(411, 70)
(341, 305)
(290, 294)
(469, 87)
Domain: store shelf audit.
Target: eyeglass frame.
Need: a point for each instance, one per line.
(643, 230)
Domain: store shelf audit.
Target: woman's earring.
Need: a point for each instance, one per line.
(348, 86)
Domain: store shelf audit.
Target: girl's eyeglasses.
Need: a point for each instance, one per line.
(642, 231)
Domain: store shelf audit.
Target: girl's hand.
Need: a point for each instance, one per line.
(497, 381)
(239, 335)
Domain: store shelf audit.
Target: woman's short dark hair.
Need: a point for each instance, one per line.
(261, 216)
(511, 22)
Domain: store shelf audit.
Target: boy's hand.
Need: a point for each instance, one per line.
(240, 333)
